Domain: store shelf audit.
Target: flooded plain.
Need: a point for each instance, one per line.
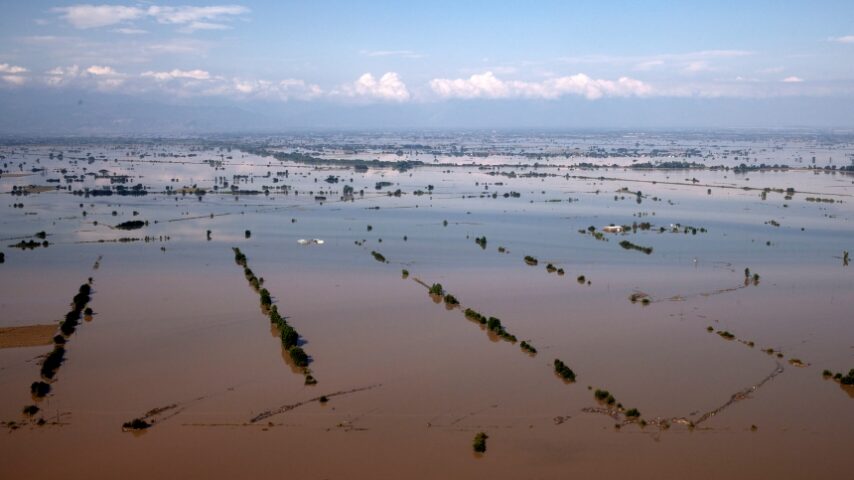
(697, 333)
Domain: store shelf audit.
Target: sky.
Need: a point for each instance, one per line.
(352, 64)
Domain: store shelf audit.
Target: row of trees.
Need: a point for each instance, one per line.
(287, 333)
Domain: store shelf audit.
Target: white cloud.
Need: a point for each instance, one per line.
(130, 31)
(792, 79)
(14, 79)
(649, 64)
(843, 39)
(171, 75)
(194, 26)
(697, 67)
(193, 18)
(388, 88)
(13, 69)
(187, 14)
(284, 90)
(61, 75)
(487, 85)
(99, 70)
(93, 16)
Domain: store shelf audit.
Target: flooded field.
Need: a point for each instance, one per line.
(364, 306)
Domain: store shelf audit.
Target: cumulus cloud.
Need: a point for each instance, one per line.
(792, 79)
(171, 75)
(191, 18)
(101, 77)
(487, 85)
(14, 79)
(284, 90)
(389, 87)
(12, 69)
(93, 16)
(61, 75)
(99, 70)
(184, 15)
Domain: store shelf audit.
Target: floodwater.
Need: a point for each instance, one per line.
(409, 382)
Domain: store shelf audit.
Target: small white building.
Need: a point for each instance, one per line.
(612, 229)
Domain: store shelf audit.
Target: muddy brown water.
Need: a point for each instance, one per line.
(182, 327)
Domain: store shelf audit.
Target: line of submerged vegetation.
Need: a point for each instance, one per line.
(53, 360)
(492, 325)
(631, 246)
(287, 334)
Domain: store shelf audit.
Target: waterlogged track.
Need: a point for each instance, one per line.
(286, 408)
(691, 422)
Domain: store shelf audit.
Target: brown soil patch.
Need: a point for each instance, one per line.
(27, 336)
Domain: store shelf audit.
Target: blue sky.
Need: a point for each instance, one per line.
(349, 54)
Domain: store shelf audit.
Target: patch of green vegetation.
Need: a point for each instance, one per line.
(436, 289)
(530, 260)
(726, 335)
(473, 315)
(404, 273)
(563, 371)
(131, 225)
(481, 241)
(604, 396)
(632, 413)
(298, 355)
(39, 389)
(527, 347)
(479, 442)
(451, 300)
(631, 246)
(266, 299)
(378, 257)
(136, 424)
(52, 362)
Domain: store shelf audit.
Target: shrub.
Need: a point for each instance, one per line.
(530, 260)
(378, 257)
(479, 442)
(289, 336)
(494, 324)
(631, 246)
(31, 410)
(451, 300)
(473, 315)
(298, 355)
(266, 300)
(632, 413)
(136, 424)
(52, 362)
(39, 389)
(564, 371)
(239, 257)
(436, 289)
